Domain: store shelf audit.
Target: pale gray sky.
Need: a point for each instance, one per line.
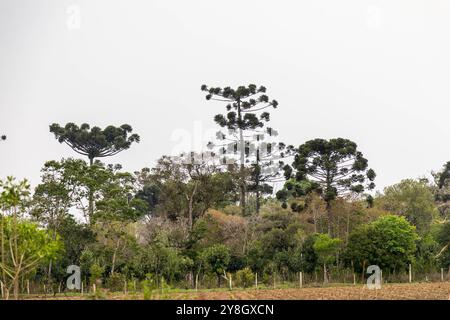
(376, 72)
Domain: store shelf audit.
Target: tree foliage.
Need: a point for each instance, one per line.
(389, 242)
(95, 142)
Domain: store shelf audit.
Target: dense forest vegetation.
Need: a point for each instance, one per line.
(249, 207)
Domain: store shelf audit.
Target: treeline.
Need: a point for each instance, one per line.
(198, 220)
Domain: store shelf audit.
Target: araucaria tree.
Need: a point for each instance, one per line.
(244, 117)
(333, 168)
(95, 142)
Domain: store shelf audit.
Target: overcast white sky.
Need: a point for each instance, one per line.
(376, 72)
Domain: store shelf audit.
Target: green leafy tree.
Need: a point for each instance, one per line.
(389, 242)
(117, 197)
(96, 142)
(332, 167)
(115, 243)
(244, 117)
(161, 260)
(245, 278)
(308, 257)
(52, 200)
(217, 259)
(148, 190)
(411, 199)
(443, 238)
(23, 245)
(441, 191)
(76, 237)
(189, 189)
(326, 249)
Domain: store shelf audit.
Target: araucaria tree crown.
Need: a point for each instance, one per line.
(95, 142)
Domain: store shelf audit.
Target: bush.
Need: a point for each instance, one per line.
(245, 278)
(96, 272)
(149, 286)
(116, 282)
(99, 294)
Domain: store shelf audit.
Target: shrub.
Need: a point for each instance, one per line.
(149, 286)
(96, 272)
(116, 282)
(245, 278)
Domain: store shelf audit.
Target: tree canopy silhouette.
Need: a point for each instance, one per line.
(95, 142)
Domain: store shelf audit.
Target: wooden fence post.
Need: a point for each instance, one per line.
(442, 274)
(301, 279)
(82, 287)
(256, 280)
(28, 287)
(410, 273)
(354, 279)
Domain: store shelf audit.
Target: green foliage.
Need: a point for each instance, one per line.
(179, 222)
(96, 271)
(308, 258)
(411, 199)
(217, 258)
(443, 238)
(389, 242)
(441, 191)
(326, 248)
(95, 142)
(33, 244)
(150, 286)
(14, 195)
(427, 249)
(116, 282)
(162, 260)
(333, 167)
(239, 100)
(245, 278)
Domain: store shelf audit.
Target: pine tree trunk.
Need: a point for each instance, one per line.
(91, 196)
(242, 201)
(330, 219)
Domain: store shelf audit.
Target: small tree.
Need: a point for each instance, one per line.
(245, 278)
(217, 259)
(326, 249)
(23, 245)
